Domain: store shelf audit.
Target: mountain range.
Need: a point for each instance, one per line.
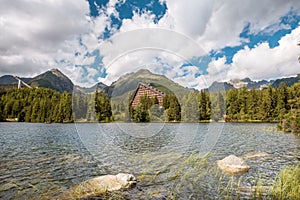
(247, 82)
(127, 83)
(53, 79)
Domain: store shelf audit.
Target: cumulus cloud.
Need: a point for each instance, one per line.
(133, 48)
(261, 62)
(38, 35)
(189, 17)
(209, 25)
(32, 32)
(265, 62)
(216, 24)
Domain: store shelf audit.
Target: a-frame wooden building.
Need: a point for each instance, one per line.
(150, 91)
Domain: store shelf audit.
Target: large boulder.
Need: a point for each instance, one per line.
(100, 185)
(233, 165)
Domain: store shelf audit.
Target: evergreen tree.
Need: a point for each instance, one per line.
(204, 105)
(35, 105)
(265, 109)
(141, 114)
(232, 105)
(173, 112)
(252, 104)
(1, 113)
(190, 108)
(242, 99)
(103, 107)
(282, 101)
(218, 107)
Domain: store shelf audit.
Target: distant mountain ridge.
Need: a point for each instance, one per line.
(98, 86)
(247, 82)
(289, 81)
(9, 79)
(127, 83)
(53, 79)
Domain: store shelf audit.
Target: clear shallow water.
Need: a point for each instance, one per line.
(44, 160)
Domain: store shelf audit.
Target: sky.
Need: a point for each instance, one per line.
(193, 42)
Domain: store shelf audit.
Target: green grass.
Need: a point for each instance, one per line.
(287, 184)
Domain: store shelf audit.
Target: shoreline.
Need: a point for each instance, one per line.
(200, 122)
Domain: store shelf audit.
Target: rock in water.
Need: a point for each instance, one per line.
(100, 185)
(233, 165)
(256, 155)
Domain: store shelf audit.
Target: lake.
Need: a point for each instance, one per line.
(175, 160)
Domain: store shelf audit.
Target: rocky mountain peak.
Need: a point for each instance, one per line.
(53, 79)
(57, 73)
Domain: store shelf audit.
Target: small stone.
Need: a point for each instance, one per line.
(233, 165)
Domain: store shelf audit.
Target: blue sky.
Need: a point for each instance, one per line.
(191, 42)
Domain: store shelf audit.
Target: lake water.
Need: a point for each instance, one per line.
(170, 160)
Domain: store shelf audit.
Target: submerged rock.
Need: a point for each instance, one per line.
(258, 190)
(233, 165)
(256, 155)
(100, 185)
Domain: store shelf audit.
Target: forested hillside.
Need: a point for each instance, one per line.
(235, 105)
(280, 104)
(36, 105)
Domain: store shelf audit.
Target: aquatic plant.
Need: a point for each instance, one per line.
(287, 184)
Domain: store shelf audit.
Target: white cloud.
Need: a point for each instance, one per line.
(141, 43)
(34, 31)
(265, 62)
(37, 34)
(153, 59)
(204, 24)
(217, 71)
(261, 62)
(216, 24)
(189, 17)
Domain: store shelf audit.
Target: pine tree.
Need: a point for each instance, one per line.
(103, 107)
(252, 104)
(242, 98)
(232, 105)
(204, 105)
(282, 101)
(173, 112)
(265, 109)
(190, 108)
(218, 107)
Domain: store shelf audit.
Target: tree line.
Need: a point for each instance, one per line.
(234, 105)
(148, 109)
(173, 109)
(271, 104)
(46, 105)
(36, 105)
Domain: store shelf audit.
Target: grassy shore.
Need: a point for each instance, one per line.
(287, 184)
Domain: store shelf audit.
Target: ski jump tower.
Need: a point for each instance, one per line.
(20, 82)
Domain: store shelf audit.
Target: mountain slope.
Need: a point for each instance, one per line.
(247, 82)
(219, 86)
(128, 83)
(98, 86)
(9, 79)
(289, 81)
(53, 79)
